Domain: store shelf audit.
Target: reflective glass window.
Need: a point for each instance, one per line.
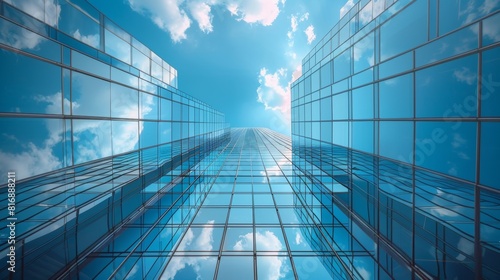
(25, 40)
(396, 140)
(447, 147)
(491, 32)
(340, 133)
(456, 43)
(396, 65)
(124, 77)
(91, 140)
(165, 132)
(490, 84)
(490, 154)
(148, 134)
(404, 31)
(363, 53)
(29, 146)
(125, 136)
(454, 14)
(342, 65)
(396, 97)
(89, 64)
(340, 106)
(448, 89)
(124, 102)
(140, 61)
(235, 265)
(77, 24)
(362, 102)
(117, 47)
(148, 108)
(326, 74)
(42, 94)
(90, 96)
(362, 136)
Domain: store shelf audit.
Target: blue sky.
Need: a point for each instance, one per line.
(238, 56)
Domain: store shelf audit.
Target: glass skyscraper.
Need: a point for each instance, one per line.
(391, 171)
(396, 131)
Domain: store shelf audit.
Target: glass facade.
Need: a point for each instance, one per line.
(391, 171)
(395, 130)
(95, 129)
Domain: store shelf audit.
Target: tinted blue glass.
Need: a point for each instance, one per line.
(91, 140)
(149, 106)
(88, 64)
(25, 40)
(125, 136)
(454, 14)
(341, 133)
(234, 265)
(77, 24)
(326, 74)
(456, 43)
(42, 94)
(362, 102)
(32, 151)
(396, 97)
(117, 47)
(362, 136)
(340, 106)
(363, 53)
(490, 154)
(124, 102)
(447, 147)
(396, 65)
(315, 83)
(90, 96)
(404, 31)
(342, 66)
(148, 134)
(490, 84)
(491, 32)
(396, 140)
(448, 89)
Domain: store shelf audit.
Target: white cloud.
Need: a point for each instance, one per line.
(310, 34)
(273, 266)
(32, 161)
(294, 23)
(465, 75)
(46, 11)
(256, 11)
(200, 265)
(273, 93)
(201, 13)
(91, 40)
(166, 14)
(346, 8)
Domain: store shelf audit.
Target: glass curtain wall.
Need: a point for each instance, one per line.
(396, 119)
(91, 119)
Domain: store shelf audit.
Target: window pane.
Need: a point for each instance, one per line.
(490, 154)
(42, 94)
(91, 140)
(490, 84)
(396, 140)
(447, 147)
(396, 97)
(91, 96)
(448, 89)
(404, 31)
(362, 103)
(124, 102)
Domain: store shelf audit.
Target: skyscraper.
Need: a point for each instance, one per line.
(395, 130)
(115, 173)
